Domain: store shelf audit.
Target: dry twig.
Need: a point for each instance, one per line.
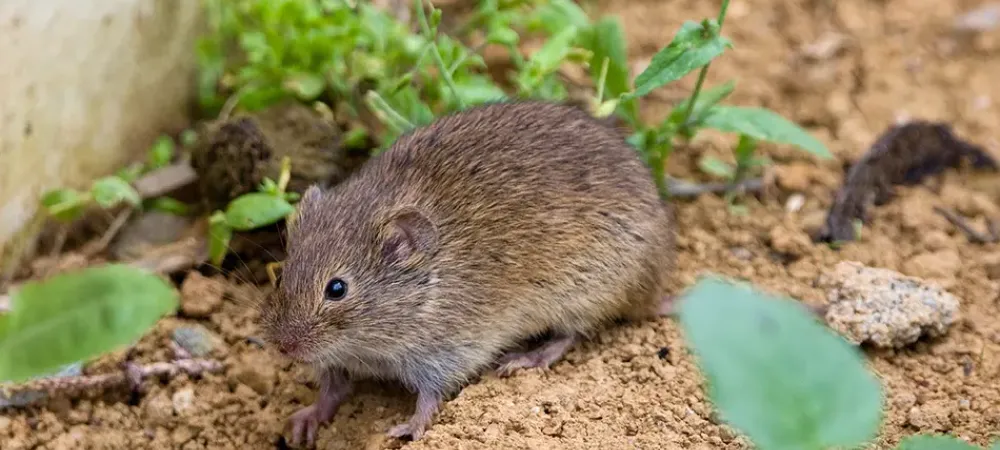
(132, 376)
(974, 236)
(686, 189)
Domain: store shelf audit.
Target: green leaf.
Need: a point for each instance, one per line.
(305, 86)
(695, 45)
(66, 205)
(556, 15)
(219, 236)
(706, 100)
(77, 315)
(168, 205)
(502, 36)
(606, 39)
(938, 442)
(478, 90)
(255, 210)
(548, 58)
(777, 374)
(716, 167)
(161, 152)
(112, 190)
(189, 138)
(763, 124)
(130, 173)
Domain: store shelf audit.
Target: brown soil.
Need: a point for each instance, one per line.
(848, 69)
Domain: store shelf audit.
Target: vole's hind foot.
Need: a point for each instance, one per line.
(541, 357)
(427, 406)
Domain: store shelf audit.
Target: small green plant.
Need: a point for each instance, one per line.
(74, 316)
(694, 47)
(782, 378)
(251, 211)
(67, 205)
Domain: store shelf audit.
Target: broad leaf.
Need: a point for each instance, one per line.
(938, 442)
(65, 205)
(305, 86)
(255, 210)
(477, 90)
(695, 45)
(161, 153)
(716, 167)
(219, 236)
(548, 58)
(110, 191)
(765, 125)
(556, 15)
(169, 205)
(606, 39)
(777, 374)
(707, 99)
(79, 315)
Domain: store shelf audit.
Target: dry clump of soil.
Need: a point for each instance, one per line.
(847, 69)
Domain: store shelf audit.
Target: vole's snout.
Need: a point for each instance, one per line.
(291, 341)
(288, 347)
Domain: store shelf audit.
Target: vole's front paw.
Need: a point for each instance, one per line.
(409, 429)
(305, 424)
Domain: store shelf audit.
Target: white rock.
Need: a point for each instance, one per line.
(886, 308)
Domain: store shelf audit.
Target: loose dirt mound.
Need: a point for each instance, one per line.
(847, 68)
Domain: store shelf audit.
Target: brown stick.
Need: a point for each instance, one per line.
(75, 385)
(686, 189)
(164, 180)
(972, 234)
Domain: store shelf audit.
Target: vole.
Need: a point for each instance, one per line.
(904, 154)
(488, 227)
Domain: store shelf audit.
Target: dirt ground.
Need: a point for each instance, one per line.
(846, 69)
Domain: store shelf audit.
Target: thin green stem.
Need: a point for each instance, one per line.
(704, 70)
(388, 115)
(432, 36)
(602, 80)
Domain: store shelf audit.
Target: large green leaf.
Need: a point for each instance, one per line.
(255, 210)
(695, 45)
(78, 315)
(928, 442)
(777, 374)
(763, 124)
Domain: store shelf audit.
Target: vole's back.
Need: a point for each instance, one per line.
(547, 218)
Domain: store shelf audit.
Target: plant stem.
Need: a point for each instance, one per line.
(388, 115)
(704, 70)
(432, 36)
(602, 80)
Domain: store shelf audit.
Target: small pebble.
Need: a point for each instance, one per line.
(795, 203)
(183, 401)
(984, 18)
(196, 339)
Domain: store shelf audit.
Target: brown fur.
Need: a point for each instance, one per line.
(468, 236)
(903, 155)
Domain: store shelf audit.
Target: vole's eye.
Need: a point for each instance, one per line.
(336, 289)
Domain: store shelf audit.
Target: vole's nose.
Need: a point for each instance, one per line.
(288, 347)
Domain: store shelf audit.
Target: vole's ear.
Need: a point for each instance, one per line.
(305, 206)
(409, 236)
